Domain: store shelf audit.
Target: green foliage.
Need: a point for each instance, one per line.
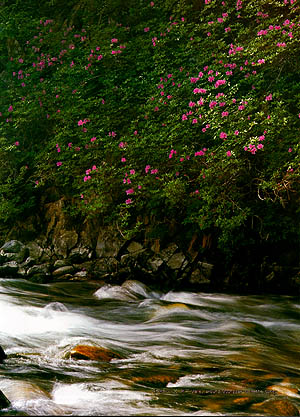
(174, 110)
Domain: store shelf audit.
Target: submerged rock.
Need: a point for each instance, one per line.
(93, 353)
(158, 381)
(22, 391)
(4, 402)
(275, 407)
(130, 290)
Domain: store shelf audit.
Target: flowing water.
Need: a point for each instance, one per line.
(183, 353)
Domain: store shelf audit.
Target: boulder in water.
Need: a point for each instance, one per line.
(4, 402)
(275, 407)
(158, 381)
(93, 353)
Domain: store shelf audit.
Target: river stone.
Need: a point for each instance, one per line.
(274, 407)
(42, 269)
(134, 247)
(18, 256)
(35, 251)
(155, 263)
(109, 243)
(12, 246)
(2, 355)
(176, 261)
(59, 263)
(64, 241)
(69, 269)
(168, 252)
(93, 353)
(158, 381)
(4, 402)
(9, 269)
(79, 255)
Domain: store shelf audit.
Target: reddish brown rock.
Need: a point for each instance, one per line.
(93, 353)
(155, 380)
(275, 407)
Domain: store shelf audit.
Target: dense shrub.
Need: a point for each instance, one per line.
(174, 110)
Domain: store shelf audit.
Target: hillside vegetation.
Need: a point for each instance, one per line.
(185, 111)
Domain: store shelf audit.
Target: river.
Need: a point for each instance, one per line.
(183, 353)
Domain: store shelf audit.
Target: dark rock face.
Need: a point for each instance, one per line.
(4, 402)
(2, 355)
(178, 259)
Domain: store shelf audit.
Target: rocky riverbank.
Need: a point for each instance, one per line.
(52, 246)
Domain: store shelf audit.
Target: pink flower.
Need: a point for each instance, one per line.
(194, 121)
(147, 167)
(114, 40)
(269, 97)
(236, 132)
(132, 172)
(17, 143)
(10, 109)
(260, 146)
(223, 135)
(228, 153)
(80, 123)
(93, 139)
(59, 163)
(94, 168)
(225, 113)
(146, 29)
(130, 191)
(123, 159)
(70, 145)
(184, 117)
(128, 201)
(290, 150)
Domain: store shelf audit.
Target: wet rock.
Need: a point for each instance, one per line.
(28, 262)
(283, 390)
(168, 252)
(2, 354)
(13, 246)
(275, 407)
(93, 353)
(136, 288)
(202, 274)
(157, 381)
(63, 271)
(35, 250)
(79, 255)
(155, 263)
(64, 241)
(23, 391)
(9, 269)
(18, 257)
(4, 402)
(109, 243)
(59, 263)
(176, 261)
(42, 269)
(81, 275)
(115, 292)
(134, 247)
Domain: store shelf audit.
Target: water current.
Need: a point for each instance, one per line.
(182, 353)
